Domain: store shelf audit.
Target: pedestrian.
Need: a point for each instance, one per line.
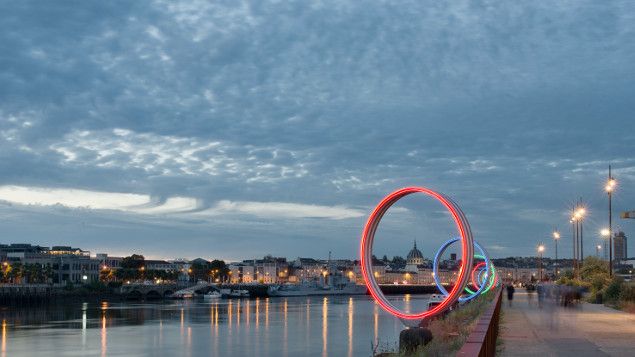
(541, 294)
(510, 293)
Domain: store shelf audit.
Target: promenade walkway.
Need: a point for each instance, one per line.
(585, 330)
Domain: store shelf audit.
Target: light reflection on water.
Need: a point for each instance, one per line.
(311, 326)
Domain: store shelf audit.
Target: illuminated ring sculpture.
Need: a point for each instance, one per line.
(476, 279)
(368, 235)
(493, 279)
(435, 269)
(478, 273)
(479, 277)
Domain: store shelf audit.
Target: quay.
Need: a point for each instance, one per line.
(584, 330)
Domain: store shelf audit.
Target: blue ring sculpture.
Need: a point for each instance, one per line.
(435, 270)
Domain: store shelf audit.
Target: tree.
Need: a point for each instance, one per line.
(219, 269)
(199, 270)
(398, 261)
(593, 266)
(6, 272)
(107, 275)
(135, 261)
(16, 273)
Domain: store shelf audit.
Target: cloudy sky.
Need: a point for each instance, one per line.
(235, 129)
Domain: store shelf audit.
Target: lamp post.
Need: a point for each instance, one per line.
(574, 239)
(541, 248)
(597, 250)
(606, 233)
(578, 245)
(610, 186)
(556, 237)
(581, 212)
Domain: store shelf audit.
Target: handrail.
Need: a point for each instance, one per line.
(482, 340)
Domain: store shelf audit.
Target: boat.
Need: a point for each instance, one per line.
(212, 295)
(315, 290)
(182, 295)
(434, 300)
(234, 293)
(332, 282)
(337, 285)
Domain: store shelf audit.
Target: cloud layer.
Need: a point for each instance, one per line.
(268, 119)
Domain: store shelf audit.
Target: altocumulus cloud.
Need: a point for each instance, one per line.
(173, 155)
(213, 123)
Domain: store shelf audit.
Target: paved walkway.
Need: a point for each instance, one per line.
(585, 330)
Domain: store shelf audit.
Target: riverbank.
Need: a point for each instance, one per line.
(450, 332)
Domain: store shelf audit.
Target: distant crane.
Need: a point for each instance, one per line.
(628, 214)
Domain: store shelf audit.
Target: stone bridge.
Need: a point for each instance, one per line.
(148, 291)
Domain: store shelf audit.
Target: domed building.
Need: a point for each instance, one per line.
(415, 256)
(414, 259)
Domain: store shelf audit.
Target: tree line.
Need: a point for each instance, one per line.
(18, 273)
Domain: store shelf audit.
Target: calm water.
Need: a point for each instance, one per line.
(299, 326)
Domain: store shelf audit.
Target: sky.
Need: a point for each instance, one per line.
(235, 129)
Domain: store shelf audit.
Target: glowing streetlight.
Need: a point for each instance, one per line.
(556, 238)
(604, 232)
(610, 187)
(541, 249)
(597, 250)
(578, 214)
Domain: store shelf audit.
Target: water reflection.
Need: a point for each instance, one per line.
(104, 336)
(314, 326)
(350, 327)
(4, 338)
(325, 325)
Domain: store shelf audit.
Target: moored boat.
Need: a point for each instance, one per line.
(212, 295)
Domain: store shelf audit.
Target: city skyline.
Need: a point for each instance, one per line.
(241, 130)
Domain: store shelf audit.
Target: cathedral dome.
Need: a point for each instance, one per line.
(415, 256)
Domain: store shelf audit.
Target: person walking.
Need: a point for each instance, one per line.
(510, 293)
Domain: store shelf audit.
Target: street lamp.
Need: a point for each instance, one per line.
(597, 250)
(541, 249)
(556, 237)
(581, 212)
(578, 242)
(606, 233)
(609, 188)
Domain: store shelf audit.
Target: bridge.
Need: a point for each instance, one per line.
(148, 291)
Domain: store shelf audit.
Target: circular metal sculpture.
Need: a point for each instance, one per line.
(483, 275)
(368, 235)
(481, 287)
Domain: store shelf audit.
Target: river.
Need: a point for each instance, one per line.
(298, 326)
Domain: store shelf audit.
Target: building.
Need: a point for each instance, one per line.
(415, 259)
(107, 262)
(19, 251)
(160, 265)
(66, 264)
(271, 270)
(620, 246)
(241, 273)
(523, 275)
(307, 268)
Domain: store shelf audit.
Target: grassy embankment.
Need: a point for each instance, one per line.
(450, 332)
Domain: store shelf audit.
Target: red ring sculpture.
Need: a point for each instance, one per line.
(368, 235)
